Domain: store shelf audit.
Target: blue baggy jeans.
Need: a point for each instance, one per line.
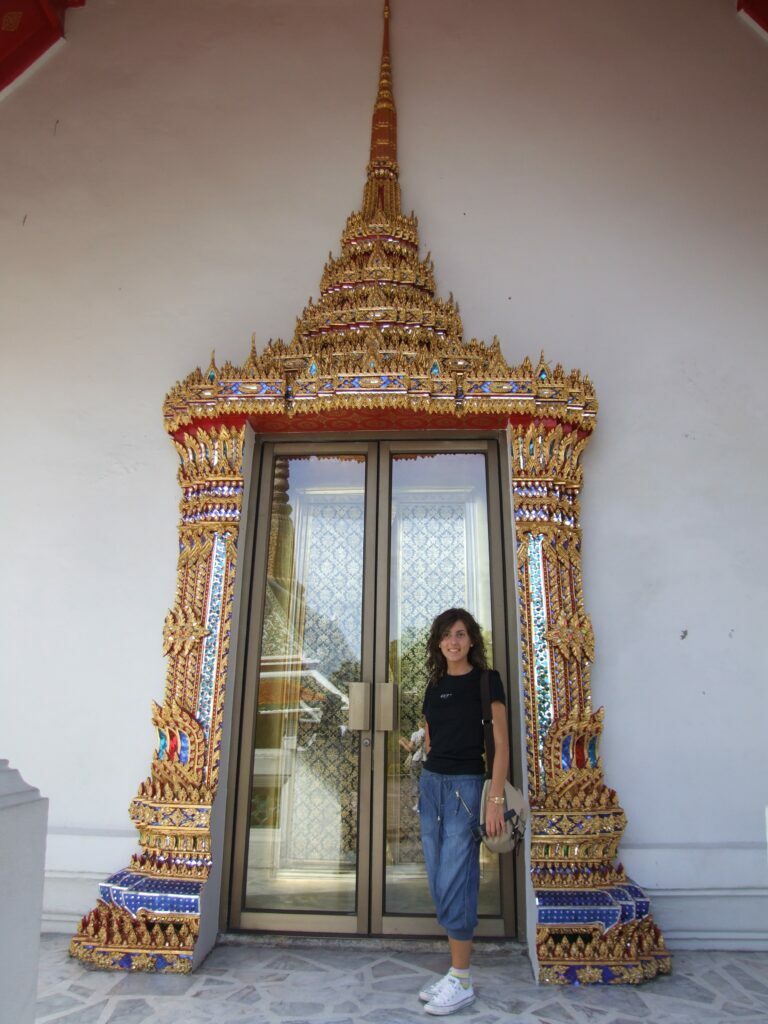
(449, 806)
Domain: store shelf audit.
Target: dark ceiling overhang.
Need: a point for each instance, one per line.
(27, 29)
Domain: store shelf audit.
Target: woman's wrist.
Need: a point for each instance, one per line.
(496, 799)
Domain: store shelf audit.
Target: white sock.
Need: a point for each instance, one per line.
(462, 973)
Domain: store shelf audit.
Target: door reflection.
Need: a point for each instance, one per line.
(302, 845)
(439, 558)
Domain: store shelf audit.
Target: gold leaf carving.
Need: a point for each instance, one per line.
(182, 631)
(573, 636)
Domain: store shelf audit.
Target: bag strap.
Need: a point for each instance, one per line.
(485, 703)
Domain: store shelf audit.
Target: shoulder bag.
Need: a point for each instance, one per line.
(515, 805)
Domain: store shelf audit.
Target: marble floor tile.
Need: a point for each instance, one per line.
(553, 1011)
(406, 987)
(748, 979)
(737, 1011)
(290, 962)
(389, 967)
(393, 1016)
(130, 1011)
(55, 1003)
(153, 984)
(297, 1008)
(85, 1015)
(378, 983)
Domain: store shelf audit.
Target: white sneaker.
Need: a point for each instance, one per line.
(450, 997)
(430, 991)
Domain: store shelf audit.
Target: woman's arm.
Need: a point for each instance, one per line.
(427, 744)
(494, 817)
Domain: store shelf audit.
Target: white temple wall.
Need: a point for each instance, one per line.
(590, 179)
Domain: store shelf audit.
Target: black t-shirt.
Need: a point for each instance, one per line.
(454, 714)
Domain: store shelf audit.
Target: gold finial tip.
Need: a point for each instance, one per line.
(386, 8)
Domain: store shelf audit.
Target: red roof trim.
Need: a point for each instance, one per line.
(757, 10)
(27, 29)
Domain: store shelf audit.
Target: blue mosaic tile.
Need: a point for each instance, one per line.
(135, 892)
(638, 896)
(592, 752)
(565, 758)
(578, 908)
(625, 902)
(617, 904)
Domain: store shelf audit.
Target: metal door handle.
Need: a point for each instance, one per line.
(359, 706)
(387, 707)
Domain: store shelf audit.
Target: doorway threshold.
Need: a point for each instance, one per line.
(385, 943)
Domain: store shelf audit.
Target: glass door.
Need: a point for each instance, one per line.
(302, 837)
(358, 547)
(438, 538)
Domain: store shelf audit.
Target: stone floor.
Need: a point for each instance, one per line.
(326, 981)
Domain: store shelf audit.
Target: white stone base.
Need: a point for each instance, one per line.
(67, 897)
(712, 918)
(709, 916)
(77, 861)
(23, 817)
(688, 899)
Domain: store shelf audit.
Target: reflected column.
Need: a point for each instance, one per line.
(302, 841)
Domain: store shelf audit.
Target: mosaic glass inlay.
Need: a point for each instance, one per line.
(541, 658)
(212, 624)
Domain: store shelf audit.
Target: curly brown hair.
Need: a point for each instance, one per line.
(442, 624)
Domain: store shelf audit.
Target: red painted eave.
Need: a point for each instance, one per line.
(27, 29)
(360, 421)
(755, 11)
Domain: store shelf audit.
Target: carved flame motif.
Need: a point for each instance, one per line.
(573, 636)
(182, 631)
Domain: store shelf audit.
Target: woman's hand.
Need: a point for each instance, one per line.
(494, 813)
(494, 819)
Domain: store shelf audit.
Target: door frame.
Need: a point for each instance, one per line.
(505, 626)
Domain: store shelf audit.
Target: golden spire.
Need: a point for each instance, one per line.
(378, 296)
(382, 191)
(384, 124)
(377, 310)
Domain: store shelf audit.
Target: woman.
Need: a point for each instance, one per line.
(450, 789)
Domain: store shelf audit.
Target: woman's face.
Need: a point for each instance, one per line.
(455, 646)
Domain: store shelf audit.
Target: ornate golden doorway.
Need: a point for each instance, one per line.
(358, 545)
(378, 351)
